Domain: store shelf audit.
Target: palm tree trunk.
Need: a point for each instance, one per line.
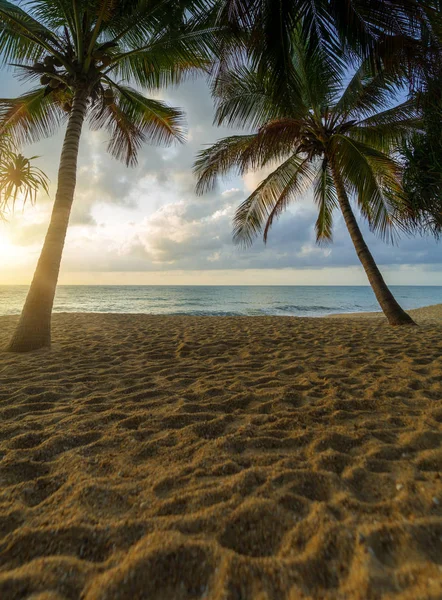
(34, 328)
(392, 310)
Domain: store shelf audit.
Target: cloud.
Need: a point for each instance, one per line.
(148, 219)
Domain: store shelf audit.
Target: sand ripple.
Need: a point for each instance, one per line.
(181, 458)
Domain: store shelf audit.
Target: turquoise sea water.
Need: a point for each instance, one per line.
(221, 300)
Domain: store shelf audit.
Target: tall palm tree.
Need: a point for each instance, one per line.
(83, 52)
(338, 140)
(19, 178)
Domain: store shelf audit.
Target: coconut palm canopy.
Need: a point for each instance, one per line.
(85, 56)
(339, 140)
(99, 46)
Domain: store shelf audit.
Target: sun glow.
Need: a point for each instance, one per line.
(11, 255)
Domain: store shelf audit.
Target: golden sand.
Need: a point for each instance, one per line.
(222, 458)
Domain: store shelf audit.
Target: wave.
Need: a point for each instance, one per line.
(311, 308)
(208, 313)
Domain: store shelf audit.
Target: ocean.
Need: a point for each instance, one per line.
(297, 301)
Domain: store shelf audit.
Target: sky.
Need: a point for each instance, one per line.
(145, 225)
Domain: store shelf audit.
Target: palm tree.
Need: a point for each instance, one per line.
(19, 178)
(83, 52)
(338, 140)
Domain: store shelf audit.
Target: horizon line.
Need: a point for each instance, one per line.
(218, 285)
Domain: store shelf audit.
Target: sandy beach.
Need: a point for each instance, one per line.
(223, 458)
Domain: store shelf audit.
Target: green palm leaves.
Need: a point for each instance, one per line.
(101, 46)
(132, 119)
(32, 116)
(374, 29)
(271, 198)
(322, 123)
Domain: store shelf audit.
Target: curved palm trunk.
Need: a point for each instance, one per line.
(34, 328)
(392, 310)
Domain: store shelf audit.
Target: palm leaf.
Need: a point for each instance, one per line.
(219, 159)
(23, 37)
(317, 73)
(270, 199)
(161, 64)
(30, 117)
(244, 99)
(402, 112)
(386, 137)
(272, 143)
(135, 23)
(54, 13)
(387, 130)
(374, 178)
(132, 120)
(359, 27)
(326, 200)
(366, 93)
(152, 30)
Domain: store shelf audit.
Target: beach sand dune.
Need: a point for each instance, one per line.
(180, 458)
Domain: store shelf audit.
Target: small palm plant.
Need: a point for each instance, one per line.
(83, 52)
(340, 141)
(19, 178)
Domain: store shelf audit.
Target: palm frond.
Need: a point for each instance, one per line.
(272, 144)
(386, 137)
(152, 27)
(132, 120)
(32, 116)
(387, 130)
(369, 27)
(219, 159)
(168, 61)
(404, 112)
(7, 146)
(374, 178)
(21, 36)
(326, 200)
(355, 27)
(55, 14)
(244, 99)
(366, 93)
(271, 198)
(317, 73)
(135, 24)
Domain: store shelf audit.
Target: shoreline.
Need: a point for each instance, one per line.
(431, 312)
